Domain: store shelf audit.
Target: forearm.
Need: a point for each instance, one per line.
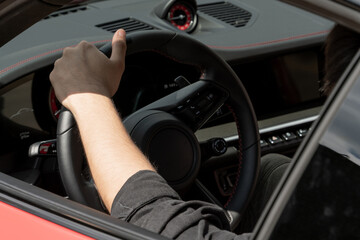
(113, 158)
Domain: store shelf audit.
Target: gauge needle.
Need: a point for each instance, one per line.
(180, 17)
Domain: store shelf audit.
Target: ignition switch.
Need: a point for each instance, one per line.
(213, 147)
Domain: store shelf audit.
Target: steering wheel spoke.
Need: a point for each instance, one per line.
(231, 216)
(193, 104)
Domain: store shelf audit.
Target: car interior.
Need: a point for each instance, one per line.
(275, 49)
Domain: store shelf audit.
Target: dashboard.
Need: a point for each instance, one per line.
(274, 48)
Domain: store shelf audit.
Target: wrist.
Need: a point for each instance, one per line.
(83, 103)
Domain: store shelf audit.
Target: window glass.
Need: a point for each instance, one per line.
(16, 104)
(325, 204)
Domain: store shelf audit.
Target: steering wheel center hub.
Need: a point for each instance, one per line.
(168, 143)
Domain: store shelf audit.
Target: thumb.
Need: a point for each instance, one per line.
(118, 46)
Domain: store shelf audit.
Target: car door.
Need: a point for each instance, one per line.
(28, 212)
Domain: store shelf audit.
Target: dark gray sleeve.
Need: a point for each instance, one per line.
(148, 201)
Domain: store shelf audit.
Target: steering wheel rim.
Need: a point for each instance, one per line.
(216, 72)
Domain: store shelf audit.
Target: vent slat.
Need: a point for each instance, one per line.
(227, 13)
(124, 24)
(128, 24)
(66, 11)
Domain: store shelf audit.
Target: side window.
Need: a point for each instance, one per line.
(325, 203)
(19, 127)
(16, 105)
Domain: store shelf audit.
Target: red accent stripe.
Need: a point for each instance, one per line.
(18, 224)
(270, 42)
(42, 55)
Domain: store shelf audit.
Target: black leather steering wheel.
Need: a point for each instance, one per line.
(164, 129)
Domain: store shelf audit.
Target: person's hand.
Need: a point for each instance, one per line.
(84, 70)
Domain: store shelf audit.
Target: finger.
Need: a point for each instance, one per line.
(118, 46)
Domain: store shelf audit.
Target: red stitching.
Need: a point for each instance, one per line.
(240, 157)
(270, 42)
(42, 55)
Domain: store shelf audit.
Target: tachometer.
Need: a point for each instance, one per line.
(182, 16)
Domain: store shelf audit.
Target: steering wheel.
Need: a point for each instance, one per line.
(164, 130)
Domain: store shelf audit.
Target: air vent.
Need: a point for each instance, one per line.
(128, 24)
(227, 12)
(66, 11)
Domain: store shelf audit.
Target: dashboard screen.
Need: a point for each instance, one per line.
(284, 83)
